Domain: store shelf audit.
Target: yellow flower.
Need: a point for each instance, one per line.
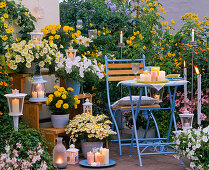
(91, 25)
(64, 96)
(57, 36)
(70, 89)
(57, 93)
(58, 105)
(132, 38)
(75, 106)
(3, 19)
(168, 28)
(71, 29)
(5, 15)
(11, 30)
(53, 31)
(51, 96)
(58, 26)
(66, 28)
(56, 87)
(164, 12)
(60, 101)
(61, 89)
(161, 9)
(4, 37)
(65, 106)
(5, 25)
(144, 47)
(172, 22)
(158, 14)
(99, 32)
(51, 37)
(139, 16)
(144, 9)
(26, 13)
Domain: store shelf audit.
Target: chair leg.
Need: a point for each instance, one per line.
(156, 126)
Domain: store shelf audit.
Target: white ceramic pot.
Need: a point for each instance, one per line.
(60, 121)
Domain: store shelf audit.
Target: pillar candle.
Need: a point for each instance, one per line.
(15, 105)
(161, 75)
(199, 98)
(192, 34)
(90, 158)
(185, 78)
(105, 152)
(148, 77)
(146, 72)
(41, 94)
(121, 37)
(71, 55)
(142, 77)
(96, 156)
(153, 75)
(34, 94)
(155, 69)
(100, 158)
(187, 124)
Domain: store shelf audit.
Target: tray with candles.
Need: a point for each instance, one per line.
(96, 164)
(152, 82)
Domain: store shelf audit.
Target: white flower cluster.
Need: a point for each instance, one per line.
(10, 159)
(81, 40)
(84, 64)
(88, 127)
(24, 54)
(193, 144)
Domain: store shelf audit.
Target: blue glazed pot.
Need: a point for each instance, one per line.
(60, 121)
(76, 85)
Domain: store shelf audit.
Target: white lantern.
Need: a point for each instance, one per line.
(36, 37)
(71, 53)
(92, 33)
(87, 107)
(38, 90)
(186, 120)
(72, 155)
(79, 24)
(15, 103)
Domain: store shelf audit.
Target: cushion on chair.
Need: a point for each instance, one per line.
(125, 101)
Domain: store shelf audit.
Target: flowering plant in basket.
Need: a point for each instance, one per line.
(193, 144)
(89, 128)
(62, 100)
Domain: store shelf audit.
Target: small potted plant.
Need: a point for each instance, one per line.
(193, 147)
(90, 130)
(60, 102)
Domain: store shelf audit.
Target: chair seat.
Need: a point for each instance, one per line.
(143, 107)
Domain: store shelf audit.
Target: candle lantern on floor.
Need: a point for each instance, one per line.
(59, 155)
(38, 90)
(72, 155)
(154, 93)
(92, 33)
(186, 120)
(79, 24)
(15, 103)
(71, 53)
(36, 37)
(87, 107)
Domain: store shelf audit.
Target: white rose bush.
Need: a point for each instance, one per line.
(89, 128)
(23, 54)
(194, 145)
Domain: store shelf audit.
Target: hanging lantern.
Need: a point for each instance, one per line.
(186, 120)
(15, 103)
(79, 24)
(38, 12)
(154, 93)
(72, 155)
(36, 37)
(87, 107)
(38, 90)
(71, 53)
(59, 155)
(92, 33)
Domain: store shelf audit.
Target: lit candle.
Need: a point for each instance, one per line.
(142, 77)
(146, 72)
(155, 69)
(41, 94)
(193, 35)
(90, 158)
(96, 156)
(59, 161)
(121, 37)
(161, 76)
(157, 96)
(36, 41)
(34, 94)
(15, 106)
(185, 78)
(153, 75)
(148, 77)
(105, 152)
(198, 95)
(101, 159)
(71, 55)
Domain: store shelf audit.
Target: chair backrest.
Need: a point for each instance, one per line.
(121, 69)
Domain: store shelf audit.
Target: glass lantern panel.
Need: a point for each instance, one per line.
(79, 24)
(186, 122)
(92, 33)
(15, 105)
(38, 90)
(76, 157)
(156, 94)
(70, 55)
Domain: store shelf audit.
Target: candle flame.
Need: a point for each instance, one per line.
(121, 32)
(184, 64)
(59, 161)
(197, 70)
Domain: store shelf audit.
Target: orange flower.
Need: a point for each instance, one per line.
(5, 84)
(1, 113)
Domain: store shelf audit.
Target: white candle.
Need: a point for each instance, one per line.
(161, 75)
(36, 41)
(34, 94)
(40, 94)
(105, 152)
(187, 124)
(142, 77)
(192, 34)
(121, 37)
(15, 106)
(185, 78)
(71, 55)
(148, 77)
(96, 156)
(198, 96)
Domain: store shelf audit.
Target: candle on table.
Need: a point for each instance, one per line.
(15, 105)
(105, 152)
(148, 77)
(198, 96)
(146, 72)
(142, 77)
(34, 94)
(59, 161)
(90, 158)
(161, 75)
(100, 158)
(41, 94)
(153, 75)
(36, 41)
(185, 78)
(121, 37)
(192, 34)
(96, 156)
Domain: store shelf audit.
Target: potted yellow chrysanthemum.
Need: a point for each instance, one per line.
(60, 102)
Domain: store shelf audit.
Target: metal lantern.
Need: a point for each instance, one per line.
(38, 90)
(71, 53)
(72, 155)
(15, 103)
(154, 93)
(79, 24)
(92, 33)
(87, 107)
(36, 37)
(186, 120)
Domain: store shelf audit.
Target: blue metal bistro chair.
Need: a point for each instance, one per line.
(119, 70)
